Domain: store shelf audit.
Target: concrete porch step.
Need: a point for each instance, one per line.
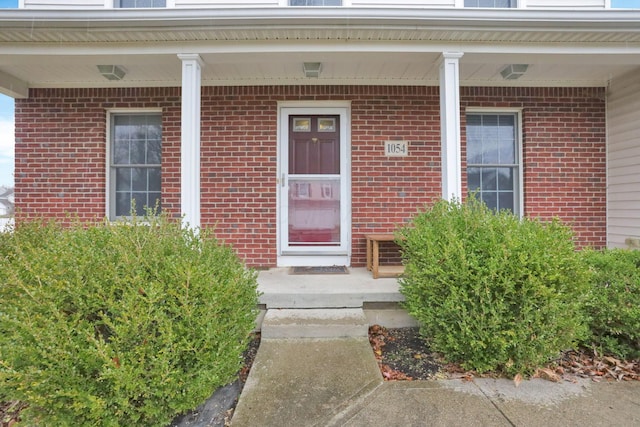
(279, 289)
(379, 298)
(314, 323)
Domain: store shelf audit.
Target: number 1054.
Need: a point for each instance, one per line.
(396, 148)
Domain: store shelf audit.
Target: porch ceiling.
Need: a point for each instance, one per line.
(399, 68)
(370, 46)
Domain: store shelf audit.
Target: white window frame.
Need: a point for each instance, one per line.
(110, 208)
(519, 188)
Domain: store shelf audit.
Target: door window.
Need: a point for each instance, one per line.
(314, 181)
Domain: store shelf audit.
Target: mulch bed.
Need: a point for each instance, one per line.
(248, 356)
(404, 356)
(10, 412)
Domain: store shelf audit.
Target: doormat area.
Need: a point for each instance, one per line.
(334, 269)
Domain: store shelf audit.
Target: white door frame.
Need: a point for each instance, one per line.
(299, 256)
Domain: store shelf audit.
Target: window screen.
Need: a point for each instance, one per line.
(136, 152)
(140, 3)
(490, 3)
(315, 2)
(492, 159)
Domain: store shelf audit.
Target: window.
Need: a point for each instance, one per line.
(135, 158)
(315, 2)
(490, 3)
(140, 3)
(493, 170)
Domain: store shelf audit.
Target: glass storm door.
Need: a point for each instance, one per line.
(313, 193)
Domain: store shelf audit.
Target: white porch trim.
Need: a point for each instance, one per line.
(190, 140)
(450, 125)
(13, 86)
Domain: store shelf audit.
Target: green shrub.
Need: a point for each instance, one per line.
(492, 291)
(116, 325)
(614, 302)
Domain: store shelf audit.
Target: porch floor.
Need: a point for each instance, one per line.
(379, 298)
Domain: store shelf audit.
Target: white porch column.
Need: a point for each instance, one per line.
(190, 140)
(450, 125)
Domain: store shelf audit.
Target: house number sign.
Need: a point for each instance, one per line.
(396, 148)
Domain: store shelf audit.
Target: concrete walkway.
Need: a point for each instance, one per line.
(336, 382)
(315, 367)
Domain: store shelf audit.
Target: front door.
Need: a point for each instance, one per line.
(314, 225)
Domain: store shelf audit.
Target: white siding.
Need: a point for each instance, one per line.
(64, 4)
(101, 4)
(403, 3)
(565, 4)
(623, 151)
(224, 3)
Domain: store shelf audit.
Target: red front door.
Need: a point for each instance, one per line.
(314, 180)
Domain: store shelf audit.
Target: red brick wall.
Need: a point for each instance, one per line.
(239, 151)
(564, 153)
(238, 176)
(60, 155)
(60, 165)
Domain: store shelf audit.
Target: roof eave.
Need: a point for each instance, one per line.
(449, 18)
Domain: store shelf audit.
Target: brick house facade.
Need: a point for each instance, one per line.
(62, 137)
(294, 131)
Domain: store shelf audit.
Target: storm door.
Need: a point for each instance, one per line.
(313, 212)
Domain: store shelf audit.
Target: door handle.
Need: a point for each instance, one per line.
(282, 180)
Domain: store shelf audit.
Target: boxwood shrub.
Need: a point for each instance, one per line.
(613, 305)
(115, 325)
(490, 290)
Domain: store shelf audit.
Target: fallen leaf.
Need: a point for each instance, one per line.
(391, 374)
(517, 380)
(467, 377)
(612, 361)
(548, 374)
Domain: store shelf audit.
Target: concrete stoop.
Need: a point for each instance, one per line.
(315, 323)
(287, 299)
